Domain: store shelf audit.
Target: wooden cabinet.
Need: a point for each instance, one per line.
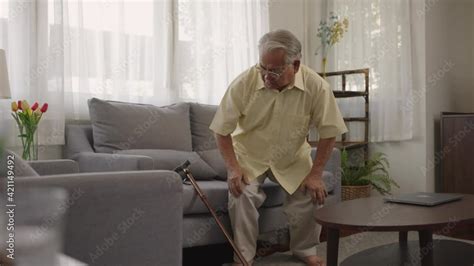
(456, 153)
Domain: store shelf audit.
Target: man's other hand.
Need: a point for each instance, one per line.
(314, 185)
(236, 181)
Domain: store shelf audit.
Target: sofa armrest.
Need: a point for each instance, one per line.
(333, 165)
(120, 218)
(78, 139)
(54, 167)
(106, 162)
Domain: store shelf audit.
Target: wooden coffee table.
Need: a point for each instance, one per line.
(373, 214)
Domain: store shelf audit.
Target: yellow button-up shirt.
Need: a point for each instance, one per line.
(269, 127)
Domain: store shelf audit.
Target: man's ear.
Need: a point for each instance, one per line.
(296, 65)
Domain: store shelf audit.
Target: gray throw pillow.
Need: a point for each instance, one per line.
(12, 161)
(214, 159)
(123, 126)
(201, 116)
(170, 159)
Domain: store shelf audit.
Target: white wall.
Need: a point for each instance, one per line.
(449, 65)
(460, 13)
(440, 63)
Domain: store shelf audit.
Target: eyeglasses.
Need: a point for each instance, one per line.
(276, 74)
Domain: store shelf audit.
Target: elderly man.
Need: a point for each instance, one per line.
(261, 127)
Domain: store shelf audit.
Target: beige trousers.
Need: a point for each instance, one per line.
(298, 208)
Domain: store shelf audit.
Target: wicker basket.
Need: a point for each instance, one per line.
(355, 192)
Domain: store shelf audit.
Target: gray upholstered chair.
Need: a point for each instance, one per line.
(119, 218)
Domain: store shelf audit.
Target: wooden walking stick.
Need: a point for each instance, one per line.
(186, 175)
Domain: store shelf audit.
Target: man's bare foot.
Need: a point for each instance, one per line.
(314, 261)
(239, 263)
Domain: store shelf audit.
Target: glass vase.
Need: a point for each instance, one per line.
(324, 63)
(29, 140)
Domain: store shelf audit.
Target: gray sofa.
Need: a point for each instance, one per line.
(108, 143)
(113, 218)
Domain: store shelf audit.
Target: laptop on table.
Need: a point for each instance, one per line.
(424, 198)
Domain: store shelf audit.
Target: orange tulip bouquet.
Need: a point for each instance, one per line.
(27, 118)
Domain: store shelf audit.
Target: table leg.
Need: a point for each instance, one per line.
(426, 247)
(403, 245)
(332, 247)
(403, 237)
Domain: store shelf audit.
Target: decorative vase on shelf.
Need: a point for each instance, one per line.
(324, 62)
(27, 119)
(330, 32)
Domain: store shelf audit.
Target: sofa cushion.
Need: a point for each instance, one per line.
(170, 159)
(123, 126)
(216, 192)
(214, 159)
(201, 116)
(12, 161)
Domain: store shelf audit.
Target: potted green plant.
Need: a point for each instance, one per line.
(359, 179)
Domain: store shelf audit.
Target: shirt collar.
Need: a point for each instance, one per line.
(298, 80)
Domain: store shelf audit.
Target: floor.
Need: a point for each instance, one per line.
(348, 245)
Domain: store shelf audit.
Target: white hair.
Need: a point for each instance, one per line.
(281, 39)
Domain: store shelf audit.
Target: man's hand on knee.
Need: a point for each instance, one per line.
(314, 185)
(236, 181)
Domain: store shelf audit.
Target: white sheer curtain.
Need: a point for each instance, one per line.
(156, 52)
(216, 41)
(159, 52)
(117, 50)
(379, 38)
(24, 34)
